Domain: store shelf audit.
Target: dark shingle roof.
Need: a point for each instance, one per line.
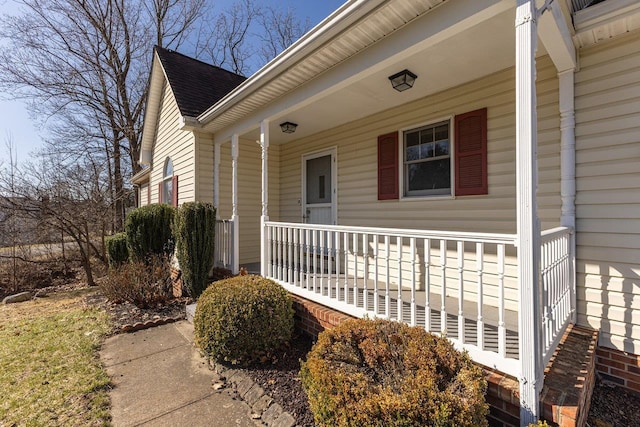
(195, 84)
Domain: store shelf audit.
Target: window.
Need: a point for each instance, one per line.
(427, 160)
(168, 187)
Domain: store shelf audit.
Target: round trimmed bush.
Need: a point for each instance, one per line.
(384, 373)
(241, 319)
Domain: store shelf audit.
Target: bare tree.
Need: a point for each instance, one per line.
(86, 63)
(279, 30)
(63, 198)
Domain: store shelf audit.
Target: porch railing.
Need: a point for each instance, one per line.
(461, 285)
(223, 251)
(557, 290)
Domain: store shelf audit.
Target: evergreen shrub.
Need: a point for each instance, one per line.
(242, 319)
(385, 373)
(117, 251)
(148, 230)
(194, 231)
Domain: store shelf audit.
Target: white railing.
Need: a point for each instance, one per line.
(557, 287)
(223, 252)
(461, 285)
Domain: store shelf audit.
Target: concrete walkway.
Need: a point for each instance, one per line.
(160, 380)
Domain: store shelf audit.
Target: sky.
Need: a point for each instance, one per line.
(14, 116)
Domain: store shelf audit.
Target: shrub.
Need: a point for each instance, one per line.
(148, 231)
(117, 249)
(384, 373)
(242, 319)
(194, 229)
(143, 283)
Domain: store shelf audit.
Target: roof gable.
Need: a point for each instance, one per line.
(196, 85)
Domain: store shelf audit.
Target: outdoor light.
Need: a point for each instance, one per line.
(403, 80)
(288, 127)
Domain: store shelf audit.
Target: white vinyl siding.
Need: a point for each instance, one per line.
(204, 168)
(179, 145)
(608, 191)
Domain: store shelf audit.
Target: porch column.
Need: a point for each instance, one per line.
(264, 143)
(568, 170)
(235, 139)
(528, 226)
(216, 176)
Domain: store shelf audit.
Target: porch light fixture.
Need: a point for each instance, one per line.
(288, 127)
(403, 80)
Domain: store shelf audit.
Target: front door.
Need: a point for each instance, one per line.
(319, 188)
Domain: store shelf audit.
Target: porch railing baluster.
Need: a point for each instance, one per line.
(338, 256)
(461, 291)
(427, 284)
(330, 241)
(321, 253)
(365, 270)
(314, 255)
(480, 268)
(346, 267)
(399, 246)
(502, 333)
(443, 296)
(387, 296)
(412, 248)
(376, 303)
(355, 268)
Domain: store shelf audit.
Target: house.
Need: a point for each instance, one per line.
(470, 166)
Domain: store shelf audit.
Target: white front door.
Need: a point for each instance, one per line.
(319, 188)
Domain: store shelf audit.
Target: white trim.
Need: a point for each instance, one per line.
(235, 141)
(528, 223)
(333, 152)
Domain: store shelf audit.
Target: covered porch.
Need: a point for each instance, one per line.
(501, 285)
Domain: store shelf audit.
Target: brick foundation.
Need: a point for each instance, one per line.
(176, 280)
(619, 367)
(569, 378)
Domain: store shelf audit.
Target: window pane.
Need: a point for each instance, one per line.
(319, 180)
(413, 153)
(442, 132)
(167, 196)
(426, 136)
(442, 148)
(432, 177)
(426, 151)
(168, 168)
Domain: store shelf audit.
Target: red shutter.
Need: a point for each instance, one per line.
(160, 192)
(388, 166)
(174, 185)
(471, 153)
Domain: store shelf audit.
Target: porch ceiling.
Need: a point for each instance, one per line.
(451, 58)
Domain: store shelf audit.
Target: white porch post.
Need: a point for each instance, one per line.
(234, 203)
(528, 226)
(264, 143)
(568, 170)
(216, 175)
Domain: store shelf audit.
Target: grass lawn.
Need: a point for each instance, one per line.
(50, 372)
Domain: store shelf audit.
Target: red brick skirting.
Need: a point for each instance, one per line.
(619, 367)
(569, 378)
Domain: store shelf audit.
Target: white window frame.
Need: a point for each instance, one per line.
(401, 160)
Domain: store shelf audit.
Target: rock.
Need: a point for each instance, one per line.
(22, 296)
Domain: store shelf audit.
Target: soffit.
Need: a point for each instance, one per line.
(383, 21)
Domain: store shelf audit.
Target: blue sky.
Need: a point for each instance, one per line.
(14, 116)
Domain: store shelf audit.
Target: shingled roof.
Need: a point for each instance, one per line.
(196, 85)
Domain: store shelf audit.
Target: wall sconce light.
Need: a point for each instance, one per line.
(403, 80)
(288, 127)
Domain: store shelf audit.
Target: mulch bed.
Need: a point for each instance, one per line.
(279, 378)
(613, 406)
(126, 317)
